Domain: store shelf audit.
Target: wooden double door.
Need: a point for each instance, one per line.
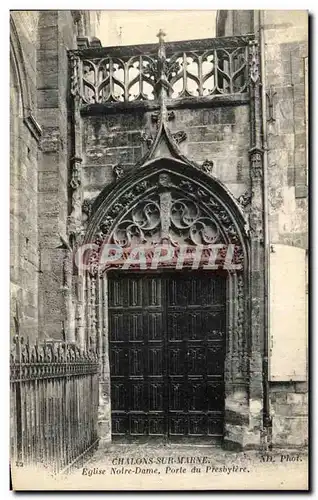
(167, 348)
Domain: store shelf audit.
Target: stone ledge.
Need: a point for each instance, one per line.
(127, 51)
(153, 105)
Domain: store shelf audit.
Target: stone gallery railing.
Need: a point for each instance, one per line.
(197, 68)
(53, 404)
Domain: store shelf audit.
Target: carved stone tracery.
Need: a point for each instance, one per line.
(166, 216)
(169, 209)
(129, 75)
(185, 213)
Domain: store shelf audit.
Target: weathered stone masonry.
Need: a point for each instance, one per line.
(79, 140)
(285, 59)
(222, 133)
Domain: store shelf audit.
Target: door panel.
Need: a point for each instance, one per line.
(167, 354)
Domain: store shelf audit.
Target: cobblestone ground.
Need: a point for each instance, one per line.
(171, 466)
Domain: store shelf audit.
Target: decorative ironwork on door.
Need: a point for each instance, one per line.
(167, 347)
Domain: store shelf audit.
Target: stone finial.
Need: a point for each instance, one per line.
(179, 136)
(254, 61)
(207, 166)
(87, 206)
(256, 163)
(162, 87)
(245, 199)
(165, 180)
(147, 138)
(118, 171)
(161, 36)
(94, 42)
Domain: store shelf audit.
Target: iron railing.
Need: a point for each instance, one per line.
(54, 403)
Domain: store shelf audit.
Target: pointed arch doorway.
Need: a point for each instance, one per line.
(174, 338)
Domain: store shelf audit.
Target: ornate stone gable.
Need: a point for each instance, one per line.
(166, 207)
(185, 197)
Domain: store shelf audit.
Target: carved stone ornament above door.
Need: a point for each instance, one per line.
(166, 197)
(166, 216)
(167, 206)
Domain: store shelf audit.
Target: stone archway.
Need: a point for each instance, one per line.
(167, 200)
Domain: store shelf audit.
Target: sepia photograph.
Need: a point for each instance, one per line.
(159, 250)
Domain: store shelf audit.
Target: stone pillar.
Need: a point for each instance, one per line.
(104, 411)
(74, 221)
(79, 297)
(52, 90)
(257, 255)
(69, 324)
(236, 376)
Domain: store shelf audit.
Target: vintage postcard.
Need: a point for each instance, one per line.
(159, 222)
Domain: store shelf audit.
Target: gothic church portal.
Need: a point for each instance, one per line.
(174, 144)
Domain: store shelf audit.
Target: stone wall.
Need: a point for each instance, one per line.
(289, 407)
(234, 22)
(26, 28)
(40, 161)
(220, 133)
(39, 166)
(286, 49)
(24, 151)
(286, 46)
(55, 38)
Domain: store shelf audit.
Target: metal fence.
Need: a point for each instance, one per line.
(54, 403)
